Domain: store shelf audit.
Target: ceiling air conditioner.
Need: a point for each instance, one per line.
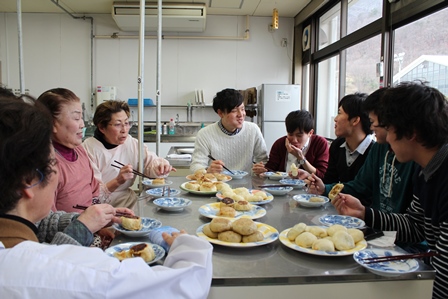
(175, 17)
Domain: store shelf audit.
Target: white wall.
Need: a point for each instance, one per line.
(57, 54)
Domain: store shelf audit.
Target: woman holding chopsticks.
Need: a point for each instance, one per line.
(113, 154)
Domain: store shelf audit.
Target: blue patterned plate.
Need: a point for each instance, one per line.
(347, 221)
(237, 174)
(211, 210)
(278, 190)
(285, 241)
(297, 183)
(148, 224)
(388, 268)
(270, 235)
(148, 183)
(304, 200)
(158, 250)
(172, 203)
(275, 176)
(158, 192)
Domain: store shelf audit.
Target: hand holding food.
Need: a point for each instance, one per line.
(97, 216)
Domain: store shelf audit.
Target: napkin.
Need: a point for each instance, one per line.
(186, 157)
(155, 236)
(385, 241)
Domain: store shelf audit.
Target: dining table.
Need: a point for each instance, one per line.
(273, 269)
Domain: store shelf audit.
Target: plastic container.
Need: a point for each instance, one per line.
(171, 127)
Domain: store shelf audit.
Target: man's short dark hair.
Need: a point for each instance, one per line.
(373, 102)
(352, 105)
(227, 99)
(299, 119)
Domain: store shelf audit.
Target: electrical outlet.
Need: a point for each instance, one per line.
(284, 42)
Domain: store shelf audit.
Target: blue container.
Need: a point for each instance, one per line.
(146, 102)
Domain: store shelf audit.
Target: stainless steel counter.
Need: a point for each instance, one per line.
(272, 264)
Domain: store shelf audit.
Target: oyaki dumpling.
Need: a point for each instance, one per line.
(228, 193)
(294, 170)
(131, 222)
(236, 197)
(227, 202)
(198, 174)
(253, 197)
(305, 239)
(220, 186)
(242, 205)
(323, 244)
(221, 176)
(207, 187)
(343, 241)
(194, 186)
(335, 191)
(255, 237)
(301, 227)
(226, 212)
(244, 226)
(262, 194)
(122, 255)
(292, 234)
(318, 231)
(158, 181)
(229, 236)
(316, 199)
(356, 234)
(334, 228)
(241, 191)
(208, 232)
(143, 250)
(220, 224)
(210, 177)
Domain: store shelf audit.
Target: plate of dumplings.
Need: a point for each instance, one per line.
(219, 209)
(335, 240)
(241, 232)
(150, 253)
(253, 196)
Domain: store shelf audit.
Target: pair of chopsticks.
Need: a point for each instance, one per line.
(134, 171)
(210, 156)
(282, 185)
(372, 260)
(85, 207)
(164, 190)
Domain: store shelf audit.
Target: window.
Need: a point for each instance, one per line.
(363, 12)
(327, 96)
(420, 51)
(329, 26)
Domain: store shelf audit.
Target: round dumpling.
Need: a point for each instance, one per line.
(220, 224)
(343, 241)
(255, 237)
(292, 234)
(318, 231)
(228, 193)
(229, 236)
(208, 232)
(236, 197)
(241, 191)
(334, 228)
(262, 194)
(305, 239)
(323, 244)
(244, 226)
(253, 197)
(301, 227)
(192, 186)
(356, 234)
(220, 186)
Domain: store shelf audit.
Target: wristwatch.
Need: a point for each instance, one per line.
(301, 162)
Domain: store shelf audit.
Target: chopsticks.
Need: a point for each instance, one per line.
(80, 207)
(372, 260)
(134, 171)
(210, 156)
(282, 185)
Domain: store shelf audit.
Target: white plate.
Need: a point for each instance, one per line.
(158, 192)
(284, 239)
(210, 211)
(304, 200)
(237, 174)
(390, 268)
(253, 191)
(275, 176)
(270, 235)
(185, 150)
(278, 190)
(148, 183)
(347, 221)
(172, 203)
(148, 224)
(298, 184)
(196, 192)
(158, 250)
(191, 177)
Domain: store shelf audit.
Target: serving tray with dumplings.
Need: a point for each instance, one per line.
(212, 210)
(253, 196)
(242, 232)
(200, 188)
(212, 177)
(335, 240)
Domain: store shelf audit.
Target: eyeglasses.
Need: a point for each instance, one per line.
(38, 182)
(126, 125)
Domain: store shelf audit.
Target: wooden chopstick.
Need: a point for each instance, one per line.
(134, 171)
(282, 185)
(80, 207)
(372, 260)
(210, 156)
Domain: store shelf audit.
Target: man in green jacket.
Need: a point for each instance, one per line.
(382, 183)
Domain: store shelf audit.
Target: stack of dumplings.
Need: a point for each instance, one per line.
(207, 182)
(243, 193)
(241, 230)
(333, 238)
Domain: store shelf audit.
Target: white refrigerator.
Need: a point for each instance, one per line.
(274, 103)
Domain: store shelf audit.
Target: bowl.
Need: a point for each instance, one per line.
(158, 192)
(304, 200)
(237, 174)
(275, 176)
(278, 190)
(347, 221)
(298, 184)
(387, 268)
(148, 224)
(172, 203)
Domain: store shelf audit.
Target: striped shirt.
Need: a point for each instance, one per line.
(426, 218)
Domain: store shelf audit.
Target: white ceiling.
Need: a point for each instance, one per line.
(262, 8)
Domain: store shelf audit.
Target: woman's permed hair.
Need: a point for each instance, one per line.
(104, 111)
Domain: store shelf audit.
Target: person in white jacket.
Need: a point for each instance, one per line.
(34, 270)
(111, 142)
